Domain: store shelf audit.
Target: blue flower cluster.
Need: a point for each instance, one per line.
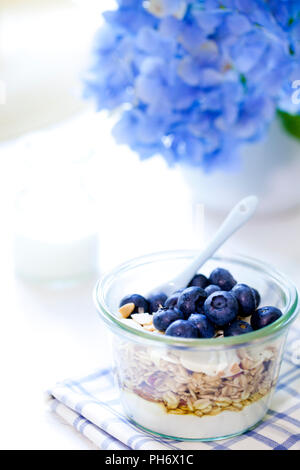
(193, 80)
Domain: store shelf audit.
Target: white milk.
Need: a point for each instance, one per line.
(39, 260)
(55, 235)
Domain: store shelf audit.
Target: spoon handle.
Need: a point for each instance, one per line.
(238, 216)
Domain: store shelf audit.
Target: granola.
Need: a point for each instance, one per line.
(161, 378)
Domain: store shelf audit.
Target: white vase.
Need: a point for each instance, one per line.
(269, 169)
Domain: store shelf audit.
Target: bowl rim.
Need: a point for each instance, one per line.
(290, 313)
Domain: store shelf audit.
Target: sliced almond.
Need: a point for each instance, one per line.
(131, 323)
(127, 309)
(235, 368)
(142, 318)
(149, 328)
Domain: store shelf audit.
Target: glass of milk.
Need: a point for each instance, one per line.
(55, 235)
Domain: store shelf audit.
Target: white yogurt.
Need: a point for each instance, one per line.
(211, 363)
(154, 417)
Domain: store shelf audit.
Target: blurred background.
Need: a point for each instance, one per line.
(74, 204)
(44, 46)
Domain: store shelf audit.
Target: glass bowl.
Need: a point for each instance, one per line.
(195, 389)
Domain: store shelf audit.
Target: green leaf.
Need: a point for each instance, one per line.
(291, 123)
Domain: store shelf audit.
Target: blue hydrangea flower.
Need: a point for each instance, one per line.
(194, 80)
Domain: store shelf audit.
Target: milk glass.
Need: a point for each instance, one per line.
(55, 232)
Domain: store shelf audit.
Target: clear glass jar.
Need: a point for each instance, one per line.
(200, 389)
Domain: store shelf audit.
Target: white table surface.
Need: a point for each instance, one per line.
(49, 334)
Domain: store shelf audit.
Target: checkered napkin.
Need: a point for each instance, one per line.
(92, 406)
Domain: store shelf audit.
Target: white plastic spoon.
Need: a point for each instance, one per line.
(238, 216)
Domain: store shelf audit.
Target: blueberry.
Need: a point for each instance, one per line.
(182, 329)
(221, 308)
(164, 317)
(238, 327)
(171, 301)
(205, 328)
(156, 301)
(264, 316)
(257, 297)
(199, 280)
(211, 289)
(191, 300)
(222, 278)
(246, 299)
(200, 309)
(141, 304)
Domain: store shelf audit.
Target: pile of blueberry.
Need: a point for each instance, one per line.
(205, 306)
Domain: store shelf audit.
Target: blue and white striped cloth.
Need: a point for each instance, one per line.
(91, 405)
